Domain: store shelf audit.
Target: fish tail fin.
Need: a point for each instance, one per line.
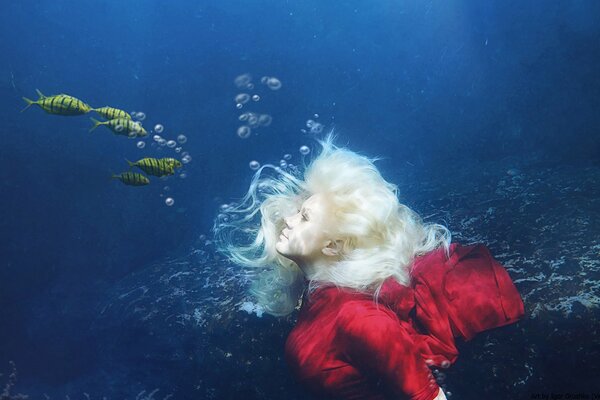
(29, 103)
(96, 124)
(40, 94)
(131, 164)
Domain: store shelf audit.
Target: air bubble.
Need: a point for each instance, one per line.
(254, 165)
(243, 80)
(304, 150)
(242, 98)
(244, 132)
(274, 83)
(239, 106)
(156, 138)
(171, 143)
(141, 116)
(287, 157)
(158, 128)
(186, 159)
(141, 144)
(182, 139)
(169, 201)
(265, 120)
(255, 97)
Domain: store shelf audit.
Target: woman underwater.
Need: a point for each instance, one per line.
(383, 294)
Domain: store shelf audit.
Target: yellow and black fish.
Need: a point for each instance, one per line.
(121, 126)
(60, 104)
(112, 113)
(173, 161)
(132, 178)
(153, 166)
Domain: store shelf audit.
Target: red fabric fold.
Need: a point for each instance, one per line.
(347, 346)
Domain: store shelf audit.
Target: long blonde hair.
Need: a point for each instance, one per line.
(381, 237)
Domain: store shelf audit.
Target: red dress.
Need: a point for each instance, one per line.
(346, 346)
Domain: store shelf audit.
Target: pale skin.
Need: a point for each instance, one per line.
(305, 241)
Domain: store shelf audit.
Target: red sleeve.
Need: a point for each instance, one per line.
(375, 342)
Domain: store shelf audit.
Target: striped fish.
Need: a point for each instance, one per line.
(153, 166)
(60, 104)
(132, 178)
(112, 113)
(122, 126)
(173, 162)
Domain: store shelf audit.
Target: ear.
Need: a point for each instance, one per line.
(333, 248)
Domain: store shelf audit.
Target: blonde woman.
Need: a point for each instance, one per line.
(383, 295)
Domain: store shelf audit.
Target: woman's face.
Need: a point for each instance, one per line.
(303, 238)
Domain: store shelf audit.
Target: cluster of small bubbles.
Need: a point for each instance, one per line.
(283, 163)
(177, 149)
(242, 98)
(242, 81)
(140, 116)
(315, 127)
(254, 165)
(171, 143)
(158, 128)
(287, 156)
(156, 138)
(182, 138)
(183, 175)
(169, 201)
(304, 150)
(141, 144)
(186, 159)
(271, 82)
(119, 128)
(255, 97)
(244, 132)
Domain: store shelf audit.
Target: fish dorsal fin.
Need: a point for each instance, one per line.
(40, 94)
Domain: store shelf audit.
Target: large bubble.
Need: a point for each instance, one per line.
(274, 83)
(242, 81)
(244, 132)
(171, 143)
(242, 98)
(265, 120)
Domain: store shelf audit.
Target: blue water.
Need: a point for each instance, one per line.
(421, 83)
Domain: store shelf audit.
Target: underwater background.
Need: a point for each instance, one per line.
(486, 115)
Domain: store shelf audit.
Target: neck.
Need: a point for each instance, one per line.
(310, 269)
